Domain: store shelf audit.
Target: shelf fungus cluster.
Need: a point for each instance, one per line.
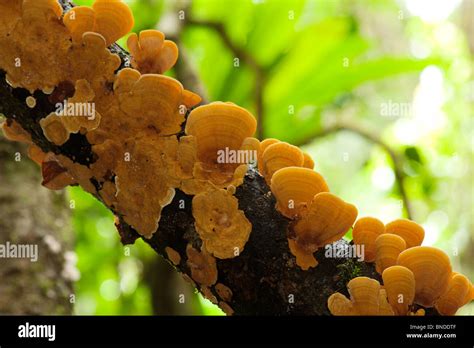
(414, 278)
(148, 138)
(134, 119)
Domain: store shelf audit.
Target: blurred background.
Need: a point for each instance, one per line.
(380, 93)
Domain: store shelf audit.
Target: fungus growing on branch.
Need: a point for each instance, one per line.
(202, 265)
(366, 298)
(151, 53)
(55, 177)
(223, 228)
(432, 270)
(365, 232)
(327, 219)
(173, 255)
(144, 183)
(294, 189)
(387, 249)
(410, 231)
(14, 132)
(110, 18)
(224, 292)
(278, 156)
(459, 289)
(399, 283)
(219, 128)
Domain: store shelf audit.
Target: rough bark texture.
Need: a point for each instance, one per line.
(264, 278)
(31, 214)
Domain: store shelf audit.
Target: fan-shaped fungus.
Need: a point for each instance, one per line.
(55, 177)
(410, 231)
(327, 220)
(13, 131)
(151, 53)
(365, 232)
(113, 19)
(278, 156)
(173, 256)
(308, 161)
(224, 292)
(79, 20)
(223, 228)
(459, 287)
(202, 265)
(432, 270)
(366, 298)
(399, 282)
(388, 247)
(294, 188)
(220, 129)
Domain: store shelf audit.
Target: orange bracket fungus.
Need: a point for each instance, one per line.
(366, 298)
(179, 174)
(173, 255)
(294, 189)
(223, 228)
(202, 265)
(410, 231)
(220, 130)
(151, 53)
(399, 282)
(387, 249)
(432, 270)
(278, 156)
(110, 18)
(224, 292)
(365, 232)
(456, 295)
(328, 218)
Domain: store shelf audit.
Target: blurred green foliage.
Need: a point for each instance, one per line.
(323, 62)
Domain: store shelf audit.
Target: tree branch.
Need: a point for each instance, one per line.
(264, 278)
(395, 158)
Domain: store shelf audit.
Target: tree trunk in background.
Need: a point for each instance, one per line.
(31, 214)
(170, 293)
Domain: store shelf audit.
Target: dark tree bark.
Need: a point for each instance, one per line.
(32, 215)
(264, 278)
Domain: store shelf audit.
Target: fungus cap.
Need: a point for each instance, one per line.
(365, 232)
(203, 266)
(432, 270)
(79, 20)
(339, 304)
(223, 228)
(399, 282)
(113, 19)
(387, 249)
(263, 146)
(218, 126)
(173, 255)
(410, 231)
(364, 294)
(278, 156)
(224, 292)
(151, 53)
(308, 161)
(327, 220)
(13, 131)
(459, 287)
(55, 177)
(384, 306)
(294, 189)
